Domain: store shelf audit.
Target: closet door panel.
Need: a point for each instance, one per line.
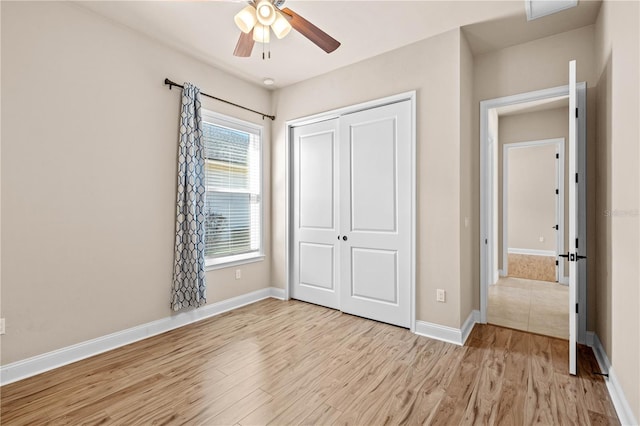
(317, 266)
(374, 274)
(316, 174)
(373, 176)
(375, 211)
(315, 216)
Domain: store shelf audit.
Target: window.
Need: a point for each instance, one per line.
(233, 180)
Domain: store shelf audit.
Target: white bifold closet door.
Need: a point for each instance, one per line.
(352, 206)
(315, 214)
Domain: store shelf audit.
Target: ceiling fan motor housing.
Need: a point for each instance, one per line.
(265, 12)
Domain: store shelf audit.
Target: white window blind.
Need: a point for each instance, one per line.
(233, 212)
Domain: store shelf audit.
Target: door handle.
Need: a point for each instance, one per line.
(573, 257)
(344, 238)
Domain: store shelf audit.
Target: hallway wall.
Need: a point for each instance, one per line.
(618, 200)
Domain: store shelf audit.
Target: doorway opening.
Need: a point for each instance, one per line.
(533, 205)
(492, 251)
(529, 294)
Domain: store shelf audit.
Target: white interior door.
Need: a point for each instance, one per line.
(375, 200)
(574, 218)
(316, 260)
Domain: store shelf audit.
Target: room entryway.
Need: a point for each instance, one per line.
(576, 218)
(529, 294)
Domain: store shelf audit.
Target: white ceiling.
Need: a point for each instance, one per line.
(205, 30)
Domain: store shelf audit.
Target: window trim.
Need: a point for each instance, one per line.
(222, 120)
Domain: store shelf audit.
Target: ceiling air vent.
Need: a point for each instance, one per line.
(539, 8)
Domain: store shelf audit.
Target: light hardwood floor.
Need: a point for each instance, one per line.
(277, 362)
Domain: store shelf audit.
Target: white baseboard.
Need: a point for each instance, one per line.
(277, 293)
(531, 252)
(457, 336)
(472, 319)
(39, 364)
(623, 409)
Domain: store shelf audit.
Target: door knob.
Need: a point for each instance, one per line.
(344, 238)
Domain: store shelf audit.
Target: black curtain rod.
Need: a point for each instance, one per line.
(171, 84)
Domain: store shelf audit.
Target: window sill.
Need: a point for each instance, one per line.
(230, 261)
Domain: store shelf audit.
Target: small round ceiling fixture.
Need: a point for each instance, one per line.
(268, 81)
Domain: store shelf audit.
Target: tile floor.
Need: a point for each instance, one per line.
(537, 306)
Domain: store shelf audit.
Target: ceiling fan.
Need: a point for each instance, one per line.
(261, 17)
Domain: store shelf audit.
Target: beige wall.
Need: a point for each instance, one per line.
(88, 176)
(535, 65)
(432, 68)
(618, 201)
(1, 304)
(531, 201)
(531, 126)
(1, 310)
(469, 282)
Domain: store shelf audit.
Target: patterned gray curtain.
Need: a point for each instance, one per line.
(189, 286)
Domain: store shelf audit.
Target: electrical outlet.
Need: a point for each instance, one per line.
(1, 325)
(238, 274)
(440, 295)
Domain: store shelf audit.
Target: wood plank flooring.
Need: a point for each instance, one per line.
(285, 363)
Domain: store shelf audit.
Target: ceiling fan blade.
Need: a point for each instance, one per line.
(323, 40)
(245, 45)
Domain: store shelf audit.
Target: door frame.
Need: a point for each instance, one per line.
(333, 114)
(559, 208)
(487, 197)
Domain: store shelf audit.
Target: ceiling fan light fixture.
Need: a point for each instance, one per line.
(265, 12)
(246, 19)
(261, 33)
(257, 20)
(281, 25)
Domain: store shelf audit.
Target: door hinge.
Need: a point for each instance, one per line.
(576, 112)
(557, 191)
(556, 263)
(576, 243)
(557, 155)
(557, 227)
(576, 178)
(486, 241)
(577, 310)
